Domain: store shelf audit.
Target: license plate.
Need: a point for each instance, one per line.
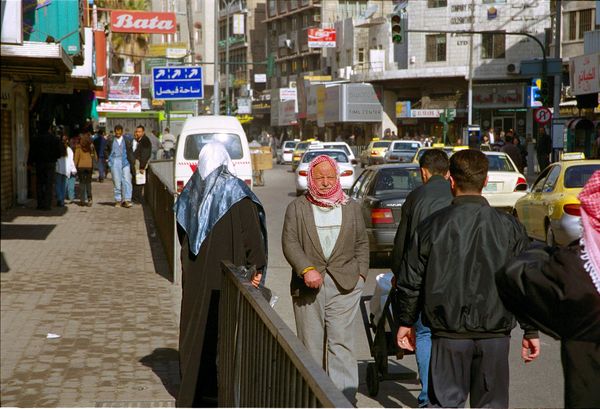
(491, 187)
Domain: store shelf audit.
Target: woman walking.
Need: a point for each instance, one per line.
(84, 160)
(65, 168)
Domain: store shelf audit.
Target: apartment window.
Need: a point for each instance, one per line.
(272, 7)
(361, 55)
(585, 21)
(437, 3)
(436, 47)
(294, 66)
(572, 25)
(493, 46)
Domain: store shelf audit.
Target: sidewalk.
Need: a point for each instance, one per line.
(92, 276)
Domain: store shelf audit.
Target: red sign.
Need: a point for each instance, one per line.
(125, 87)
(321, 37)
(126, 21)
(100, 47)
(542, 115)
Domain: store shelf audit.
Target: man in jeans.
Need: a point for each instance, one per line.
(120, 157)
(433, 195)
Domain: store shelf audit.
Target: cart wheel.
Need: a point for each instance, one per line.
(372, 380)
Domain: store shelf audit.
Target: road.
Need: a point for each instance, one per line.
(537, 384)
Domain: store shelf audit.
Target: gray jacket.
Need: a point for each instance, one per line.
(302, 248)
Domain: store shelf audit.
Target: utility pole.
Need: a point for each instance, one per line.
(227, 107)
(190, 24)
(557, 79)
(217, 72)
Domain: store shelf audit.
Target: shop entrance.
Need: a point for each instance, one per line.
(503, 123)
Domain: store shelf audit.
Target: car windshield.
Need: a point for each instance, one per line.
(195, 142)
(500, 163)
(401, 146)
(289, 144)
(381, 144)
(339, 156)
(341, 147)
(397, 180)
(577, 176)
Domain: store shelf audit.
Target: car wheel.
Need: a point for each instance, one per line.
(550, 240)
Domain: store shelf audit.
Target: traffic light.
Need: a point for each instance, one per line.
(542, 94)
(396, 22)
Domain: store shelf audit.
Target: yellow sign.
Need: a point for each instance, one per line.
(244, 119)
(318, 77)
(160, 50)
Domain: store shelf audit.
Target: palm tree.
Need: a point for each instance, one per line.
(127, 47)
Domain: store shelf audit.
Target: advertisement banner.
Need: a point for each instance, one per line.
(125, 87)
(244, 106)
(321, 38)
(119, 107)
(100, 48)
(585, 74)
(360, 103)
(287, 113)
(498, 96)
(127, 21)
(402, 109)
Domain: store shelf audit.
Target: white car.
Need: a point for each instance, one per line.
(505, 184)
(287, 151)
(336, 145)
(346, 168)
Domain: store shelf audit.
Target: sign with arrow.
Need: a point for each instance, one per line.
(174, 83)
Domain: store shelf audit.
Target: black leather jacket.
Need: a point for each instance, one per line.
(449, 271)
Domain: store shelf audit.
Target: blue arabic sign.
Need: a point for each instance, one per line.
(177, 83)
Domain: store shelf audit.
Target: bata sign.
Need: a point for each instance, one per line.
(142, 22)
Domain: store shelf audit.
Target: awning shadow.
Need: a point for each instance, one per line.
(26, 231)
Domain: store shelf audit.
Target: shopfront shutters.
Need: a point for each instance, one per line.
(6, 160)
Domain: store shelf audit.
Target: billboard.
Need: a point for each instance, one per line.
(321, 38)
(585, 74)
(127, 21)
(125, 87)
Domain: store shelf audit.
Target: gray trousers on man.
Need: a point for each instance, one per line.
(463, 367)
(325, 325)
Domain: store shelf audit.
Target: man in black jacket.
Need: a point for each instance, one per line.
(142, 154)
(45, 151)
(433, 195)
(448, 275)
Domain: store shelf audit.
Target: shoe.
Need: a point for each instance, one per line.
(89, 203)
(117, 204)
(127, 204)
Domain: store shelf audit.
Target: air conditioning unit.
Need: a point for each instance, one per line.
(512, 69)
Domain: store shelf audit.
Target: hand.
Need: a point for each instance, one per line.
(256, 279)
(313, 279)
(530, 349)
(406, 338)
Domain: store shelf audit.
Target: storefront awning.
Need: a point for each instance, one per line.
(35, 61)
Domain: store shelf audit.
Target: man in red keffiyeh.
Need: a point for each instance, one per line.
(558, 290)
(325, 241)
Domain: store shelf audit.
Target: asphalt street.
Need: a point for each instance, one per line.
(537, 384)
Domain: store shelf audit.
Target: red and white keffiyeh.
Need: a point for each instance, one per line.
(332, 198)
(590, 220)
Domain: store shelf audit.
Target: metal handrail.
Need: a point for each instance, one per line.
(261, 361)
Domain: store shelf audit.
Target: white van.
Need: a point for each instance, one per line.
(199, 130)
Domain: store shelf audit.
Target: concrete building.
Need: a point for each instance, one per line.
(430, 71)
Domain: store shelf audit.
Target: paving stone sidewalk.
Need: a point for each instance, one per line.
(97, 277)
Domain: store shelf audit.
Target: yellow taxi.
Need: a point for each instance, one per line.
(299, 150)
(448, 149)
(374, 152)
(550, 210)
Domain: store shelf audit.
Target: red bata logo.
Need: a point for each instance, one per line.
(142, 22)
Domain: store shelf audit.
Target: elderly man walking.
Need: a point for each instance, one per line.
(325, 241)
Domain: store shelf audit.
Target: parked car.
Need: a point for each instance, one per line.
(336, 145)
(198, 131)
(374, 152)
(287, 151)
(550, 210)
(381, 191)
(505, 183)
(346, 168)
(405, 145)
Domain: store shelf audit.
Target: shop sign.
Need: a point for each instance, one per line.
(100, 60)
(12, 22)
(176, 53)
(426, 113)
(122, 21)
(125, 87)
(287, 113)
(585, 74)
(160, 50)
(260, 78)
(64, 88)
(261, 106)
(286, 94)
(321, 37)
(110, 106)
(499, 96)
(402, 109)
(244, 106)
(360, 103)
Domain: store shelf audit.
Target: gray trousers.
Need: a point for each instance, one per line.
(477, 368)
(325, 325)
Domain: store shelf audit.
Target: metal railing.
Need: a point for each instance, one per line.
(261, 361)
(160, 196)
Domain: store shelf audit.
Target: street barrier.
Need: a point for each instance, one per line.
(261, 361)
(160, 197)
